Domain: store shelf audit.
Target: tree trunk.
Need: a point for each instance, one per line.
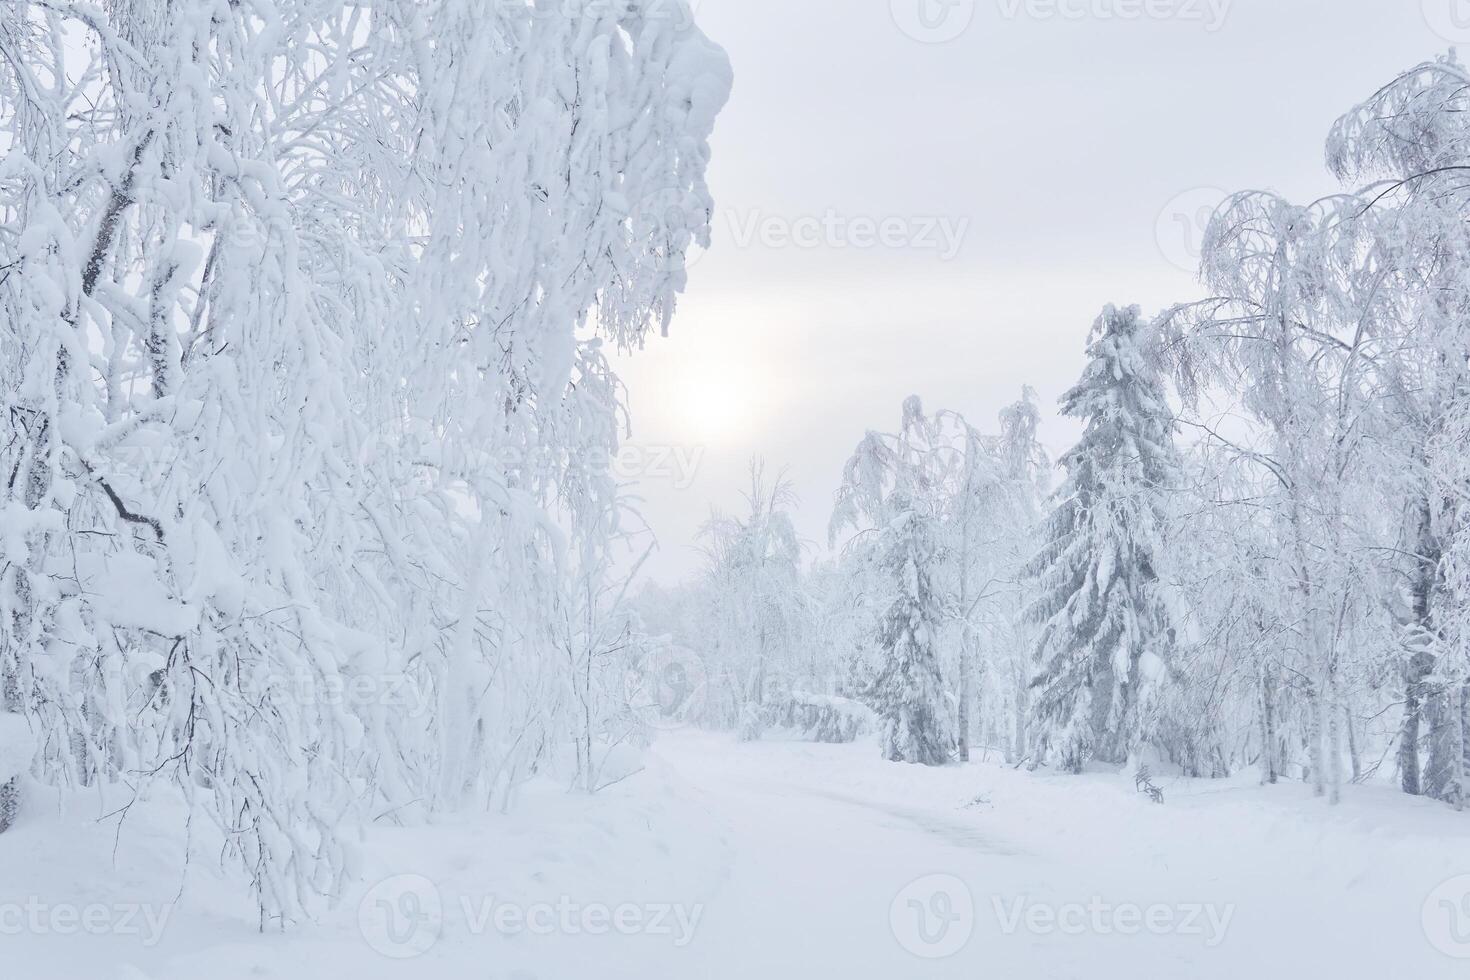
(1354, 752)
(1444, 776)
(967, 659)
(1416, 671)
(1314, 744)
(1334, 737)
(1023, 707)
(1442, 740)
(966, 693)
(1420, 664)
(1270, 736)
(1459, 743)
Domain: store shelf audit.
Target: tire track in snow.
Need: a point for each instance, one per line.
(954, 832)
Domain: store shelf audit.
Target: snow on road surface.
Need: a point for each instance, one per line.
(786, 860)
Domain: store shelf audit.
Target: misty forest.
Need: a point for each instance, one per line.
(329, 643)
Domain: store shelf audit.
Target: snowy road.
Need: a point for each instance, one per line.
(890, 873)
(814, 888)
(781, 860)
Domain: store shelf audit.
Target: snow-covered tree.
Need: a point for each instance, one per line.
(893, 492)
(1339, 326)
(1027, 472)
(990, 490)
(303, 388)
(1414, 300)
(752, 582)
(1105, 633)
(908, 692)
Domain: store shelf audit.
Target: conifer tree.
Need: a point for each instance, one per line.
(908, 692)
(893, 489)
(1104, 629)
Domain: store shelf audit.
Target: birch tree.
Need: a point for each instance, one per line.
(303, 387)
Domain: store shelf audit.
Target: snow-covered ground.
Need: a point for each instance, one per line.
(785, 860)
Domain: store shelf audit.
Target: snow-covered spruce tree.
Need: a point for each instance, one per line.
(893, 492)
(303, 392)
(908, 693)
(1105, 633)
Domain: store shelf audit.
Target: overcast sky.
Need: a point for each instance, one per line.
(936, 197)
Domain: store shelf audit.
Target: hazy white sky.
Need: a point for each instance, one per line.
(898, 216)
